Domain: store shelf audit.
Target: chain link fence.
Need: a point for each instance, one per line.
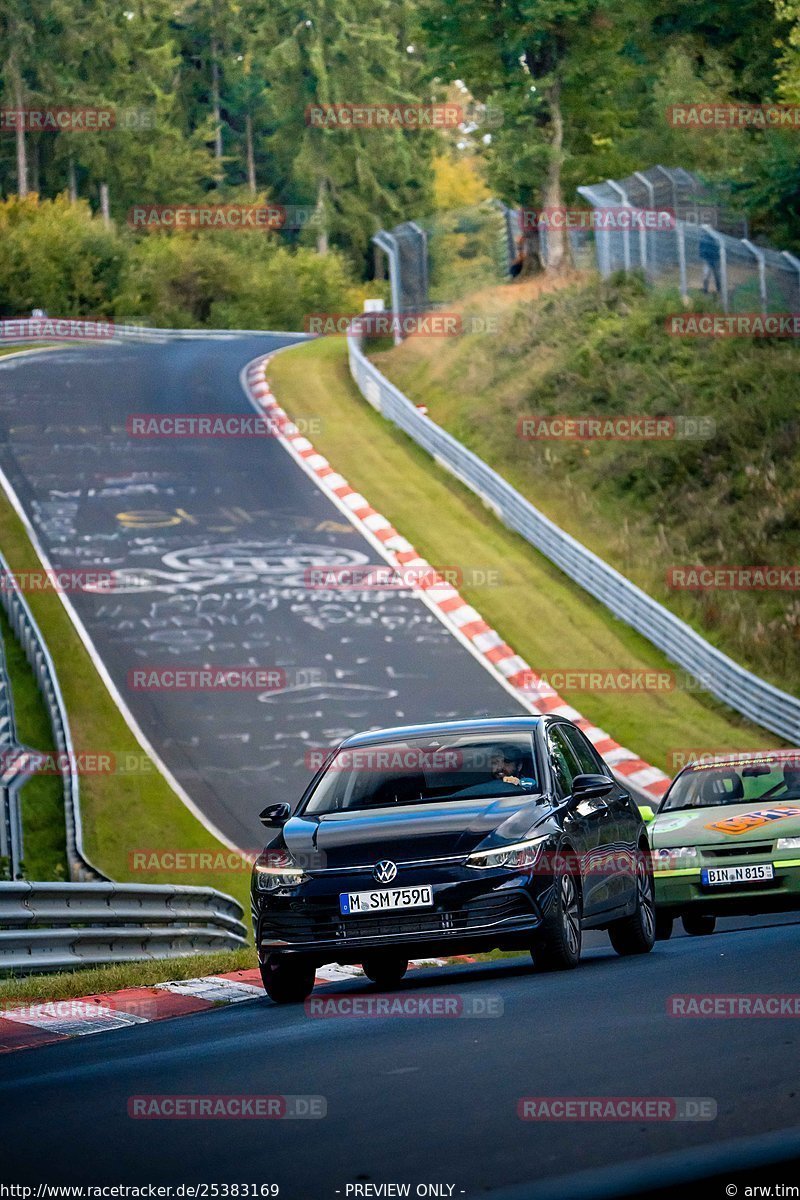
(682, 234)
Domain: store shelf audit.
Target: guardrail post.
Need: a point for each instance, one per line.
(758, 255)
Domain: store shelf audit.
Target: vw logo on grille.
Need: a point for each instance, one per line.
(385, 870)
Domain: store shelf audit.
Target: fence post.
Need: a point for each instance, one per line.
(758, 255)
(424, 239)
(651, 196)
(795, 264)
(723, 264)
(388, 243)
(626, 235)
(680, 235)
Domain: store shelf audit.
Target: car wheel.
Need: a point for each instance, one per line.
(698, 925)
(386, 970)
(286, 980)
(664, 923)
(560, 945)
(636, 934)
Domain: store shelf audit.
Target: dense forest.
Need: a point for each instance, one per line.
(210, 100)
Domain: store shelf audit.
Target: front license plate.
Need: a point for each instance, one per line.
(753, 873)
(385, 900)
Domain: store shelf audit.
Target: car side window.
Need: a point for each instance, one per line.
(563, 762)
(588, 758)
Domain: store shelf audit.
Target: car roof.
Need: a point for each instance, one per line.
(442, 728)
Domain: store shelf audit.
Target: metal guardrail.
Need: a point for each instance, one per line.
(26, 630)
(724, 678)
(56, 926)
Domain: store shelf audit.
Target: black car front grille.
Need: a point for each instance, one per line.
(302, 925)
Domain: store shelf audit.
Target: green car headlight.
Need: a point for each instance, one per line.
(668, 858)
(791, 843)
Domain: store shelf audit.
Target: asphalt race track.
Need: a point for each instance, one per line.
(422, 1100)
(210, 541)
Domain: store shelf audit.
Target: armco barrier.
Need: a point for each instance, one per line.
(27, 632)
(56, 926)
(756, 699)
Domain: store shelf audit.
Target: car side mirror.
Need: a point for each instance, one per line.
(646, 813)
(590, 787)
(275, 814)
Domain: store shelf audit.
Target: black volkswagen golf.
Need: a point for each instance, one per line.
(449, 839)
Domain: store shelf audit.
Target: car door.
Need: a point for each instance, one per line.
(622, 827)
(585, 823)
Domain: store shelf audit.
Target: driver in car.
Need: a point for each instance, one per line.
(507, 766)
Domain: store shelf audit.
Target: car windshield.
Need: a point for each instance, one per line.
(426, 770)
(709, 785)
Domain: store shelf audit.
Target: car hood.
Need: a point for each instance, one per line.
(752, 821)
(416, 831)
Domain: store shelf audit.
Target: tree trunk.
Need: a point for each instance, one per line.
(104, 205)
(22, 150)
(322, 229)
(72, 181)
(215, 101)
(251, 162)
(556, 261)
(33, 173)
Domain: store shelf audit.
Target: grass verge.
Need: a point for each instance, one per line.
(89, 981)
(602, 349)
(542, 615)
(41, 797)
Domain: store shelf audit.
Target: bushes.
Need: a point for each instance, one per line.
(57, 256)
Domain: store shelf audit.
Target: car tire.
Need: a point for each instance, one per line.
(385, 970)
(698, 924)
(664, 924)
(636, 934)
(559, 948)
(286, 980)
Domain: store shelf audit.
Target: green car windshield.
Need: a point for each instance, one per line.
(707, 785)
(425, 770)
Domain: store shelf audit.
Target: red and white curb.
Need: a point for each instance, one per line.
(464, 621)
(29, 1025)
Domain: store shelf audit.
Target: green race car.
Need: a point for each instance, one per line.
(726, 841)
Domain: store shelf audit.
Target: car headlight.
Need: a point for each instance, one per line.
(275, 869)
(668, 857)
(515, 857)
(792, 843)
